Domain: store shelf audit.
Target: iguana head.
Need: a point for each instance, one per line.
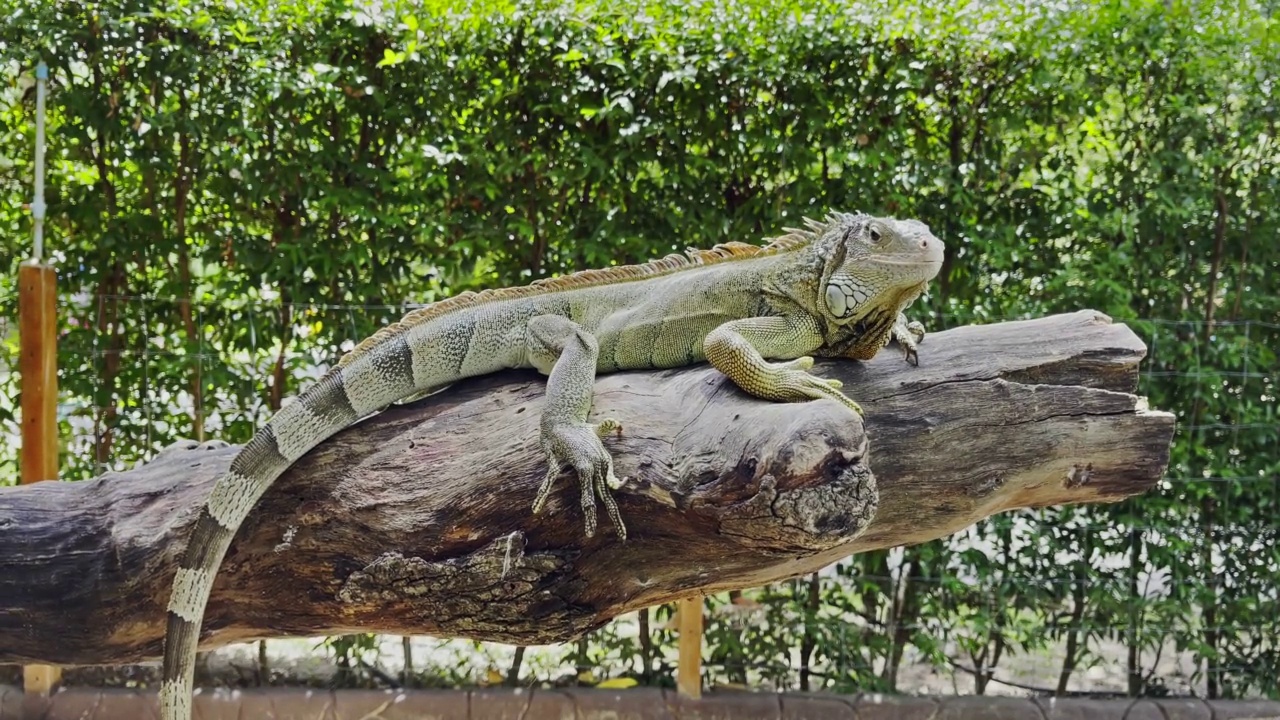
(873, 265)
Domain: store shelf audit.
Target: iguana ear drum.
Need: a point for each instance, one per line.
(836, 301)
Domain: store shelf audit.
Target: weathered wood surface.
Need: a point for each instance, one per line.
(417, 522)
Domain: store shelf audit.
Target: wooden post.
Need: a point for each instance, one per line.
(38, 367)
(689, 666)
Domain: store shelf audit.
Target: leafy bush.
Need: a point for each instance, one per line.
(237, 189)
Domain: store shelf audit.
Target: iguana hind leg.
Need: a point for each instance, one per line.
(738, 349)
(567, 354)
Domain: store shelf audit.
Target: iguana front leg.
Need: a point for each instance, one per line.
(738, 349)
(908, 334)
(566, 353)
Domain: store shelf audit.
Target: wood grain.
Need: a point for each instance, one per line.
(38, 368)
(417, 521)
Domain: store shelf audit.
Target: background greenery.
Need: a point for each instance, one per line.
(237, 189)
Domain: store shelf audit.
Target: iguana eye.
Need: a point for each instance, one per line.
(875, 236)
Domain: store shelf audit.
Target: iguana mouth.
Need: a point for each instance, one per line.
(903, 261)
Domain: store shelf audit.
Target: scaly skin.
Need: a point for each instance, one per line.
(837, 289)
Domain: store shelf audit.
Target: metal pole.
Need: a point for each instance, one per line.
(37, 203)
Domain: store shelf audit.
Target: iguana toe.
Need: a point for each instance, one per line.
(804, 362)
(554, 466)
(911, 356)
(608, 425)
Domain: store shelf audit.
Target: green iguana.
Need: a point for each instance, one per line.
(835, 289)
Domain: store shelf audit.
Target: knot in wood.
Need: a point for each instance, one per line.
(832, 507)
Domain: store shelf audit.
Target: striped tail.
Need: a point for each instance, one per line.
(341, 398)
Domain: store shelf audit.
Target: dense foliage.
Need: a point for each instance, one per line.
(237, 189)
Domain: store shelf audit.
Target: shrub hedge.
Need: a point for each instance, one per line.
(237, 188)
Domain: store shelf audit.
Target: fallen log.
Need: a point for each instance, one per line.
(416, 521)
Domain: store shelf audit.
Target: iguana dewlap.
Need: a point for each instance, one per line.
(837, 288)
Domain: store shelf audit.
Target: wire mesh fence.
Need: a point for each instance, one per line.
(1174, 592)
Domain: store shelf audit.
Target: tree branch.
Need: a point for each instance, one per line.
(417, 521)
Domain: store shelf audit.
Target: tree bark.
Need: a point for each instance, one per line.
(417, 521)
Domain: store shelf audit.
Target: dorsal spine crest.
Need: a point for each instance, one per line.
(792, 239)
